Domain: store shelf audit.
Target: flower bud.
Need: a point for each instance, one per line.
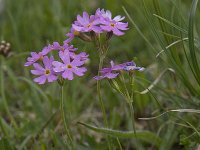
(5, 49)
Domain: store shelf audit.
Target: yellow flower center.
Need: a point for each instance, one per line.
(112, 25)
(69, 66)
(41, 58)
(47, 72)
(89, 25)
(76, 33)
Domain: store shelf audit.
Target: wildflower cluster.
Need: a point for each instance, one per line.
(70, 62)
(49, 70)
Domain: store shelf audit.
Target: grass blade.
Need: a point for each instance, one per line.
(146, 136)
(171, 24)
(191, 39)
(137, 28)
(173, 110)
(157, 80)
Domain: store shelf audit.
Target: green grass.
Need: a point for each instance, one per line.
(166, 116)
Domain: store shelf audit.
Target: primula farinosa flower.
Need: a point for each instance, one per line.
(102, 14)
(108, 24)
(65, 46)
(130, 66)
(87, 23)
(69, 67)
(45, 73)
(71, 35)
(34, 57)
(83, 56)
(113, 71)
(110, 73)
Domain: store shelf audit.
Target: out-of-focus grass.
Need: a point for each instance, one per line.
(30, 25)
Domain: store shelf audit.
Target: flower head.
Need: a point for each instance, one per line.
(83, 56)
(130, 66)
(65, 46)
(47, 49)
(108, 24)
(113, 71)
(110, 73)
(87, 23)
(71, 35)
(33, 58)
(102, 14)
(45, 73)
(69, 67)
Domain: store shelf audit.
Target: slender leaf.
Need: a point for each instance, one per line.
(156, 80)
(137, 28)
(173, 110)
(146, 136)
(191, 39)
(171, 24)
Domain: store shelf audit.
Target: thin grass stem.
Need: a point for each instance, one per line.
(133, 122)
(120, 147)
(130, 100)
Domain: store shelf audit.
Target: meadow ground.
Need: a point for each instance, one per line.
(163, 37)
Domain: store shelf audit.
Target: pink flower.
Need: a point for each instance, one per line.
(108, 24)
(113, 71)
(130, 66)
(65, 46)
(110, 72)
(69, 67)
(71, 35)
(33, 58)
(87, 23)
(45, 73)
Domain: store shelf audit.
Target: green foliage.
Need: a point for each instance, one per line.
(166, 105)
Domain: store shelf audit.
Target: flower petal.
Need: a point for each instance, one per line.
(117, 32)
(58, 66)
(41, 79)
(37, 72)
(38, 67)
(67, 74)
(111, 75)
(51, 78)
(99, 77)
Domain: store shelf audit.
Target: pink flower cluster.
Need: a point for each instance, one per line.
(48, 69)
(70, 62)
(101, 22)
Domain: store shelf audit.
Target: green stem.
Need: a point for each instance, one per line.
(100, 97)
(130, 100)
(63, 116)
(4, 97)
(99, 94)
(133, 121)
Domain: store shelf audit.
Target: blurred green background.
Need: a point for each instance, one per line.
(29, 25)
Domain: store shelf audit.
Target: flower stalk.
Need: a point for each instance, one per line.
(63, 116)
(101, 60)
